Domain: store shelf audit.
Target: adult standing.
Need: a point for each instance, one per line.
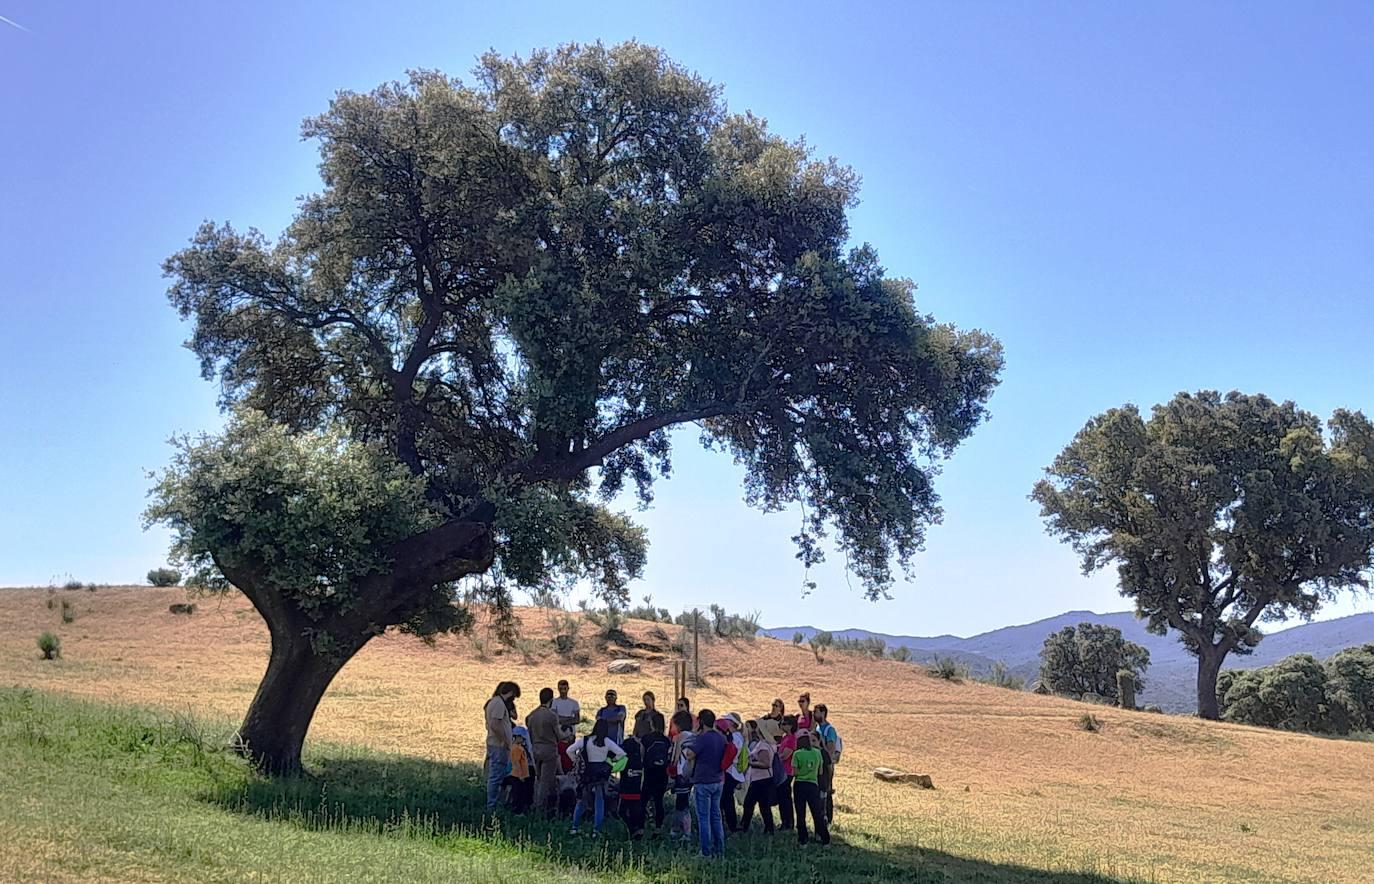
(499, 738)
(770, 725)
(829, 744)
(683, 705)
(710, 754)
(614, 715)
(595, 753)
(648, 720)
(786, 746)
(804, 714)
(658, 751)
(806, 763)
(568, 710)
(759, 776)
(544, 732)
(734, 774)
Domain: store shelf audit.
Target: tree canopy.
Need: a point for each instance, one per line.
(1219, 511)
(513, 288)
(1086, 658)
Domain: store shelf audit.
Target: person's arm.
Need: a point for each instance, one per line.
(620, 716)
(612, 748)
(573, 748)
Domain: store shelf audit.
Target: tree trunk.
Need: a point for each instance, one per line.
(1208, 667)
(273, 731)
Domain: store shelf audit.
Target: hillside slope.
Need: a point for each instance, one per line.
(1018, 781)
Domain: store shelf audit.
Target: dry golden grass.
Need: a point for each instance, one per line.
(1018, 781)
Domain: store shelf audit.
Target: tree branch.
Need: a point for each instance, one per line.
(535, 469)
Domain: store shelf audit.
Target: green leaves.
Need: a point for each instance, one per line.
(1218, 511)
(517, 286)
(1086, 658)
(312, 513)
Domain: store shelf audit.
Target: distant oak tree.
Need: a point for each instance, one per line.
(1086, 658)
(1219, 511)
(486, 324)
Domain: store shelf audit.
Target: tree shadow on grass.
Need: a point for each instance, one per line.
(444, 804)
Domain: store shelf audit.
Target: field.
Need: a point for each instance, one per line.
(131, 783)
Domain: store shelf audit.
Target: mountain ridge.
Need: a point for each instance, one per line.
(1170, 680)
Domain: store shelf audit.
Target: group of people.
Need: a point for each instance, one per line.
(691, 766)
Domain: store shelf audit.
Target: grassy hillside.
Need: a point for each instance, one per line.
(1021, 788)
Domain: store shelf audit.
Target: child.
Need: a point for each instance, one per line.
(631, 787)
(520, 780)
(679, 769)
(806, 790)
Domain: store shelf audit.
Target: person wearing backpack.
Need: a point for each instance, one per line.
(592, 756)
(680, 770)
(657, 754)
(761, 757)
(732, 727)
(828, 741)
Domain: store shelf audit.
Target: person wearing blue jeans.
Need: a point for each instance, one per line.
(711, 753)
(498, 766)
(593, 754)
(596, 796)
(499, 737)
(710, 825)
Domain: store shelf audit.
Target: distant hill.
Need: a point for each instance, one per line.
(1170, 681)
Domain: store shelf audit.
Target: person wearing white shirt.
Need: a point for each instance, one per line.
(595, 751)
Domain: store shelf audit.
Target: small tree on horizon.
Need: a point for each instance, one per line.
(1219, 511)
(1086, 658)
(504, 299)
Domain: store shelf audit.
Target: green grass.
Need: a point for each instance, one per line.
(106, 792)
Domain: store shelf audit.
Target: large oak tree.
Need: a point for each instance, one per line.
(1219, 511)
(486, 324)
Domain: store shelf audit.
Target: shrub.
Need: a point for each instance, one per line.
(1000, 676)
(823, 638)
(901, 653)
(1289, 695)
(948, 668)
(164, 577)
(52, 603)
(818, 648)
(1089, 722)
(1350, 684)
(479, 646)
(68, 612)
(871, 645)
(92, 587)
(526, 648)
(609, 621)
(727, 625)
(50, 645)
(797, 638)
(545, 597)
(647, 611)
(73, 584)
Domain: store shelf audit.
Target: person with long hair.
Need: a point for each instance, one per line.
(806, 765)
(786, 746)
(499, 737)
(592, 756)
(759, 776)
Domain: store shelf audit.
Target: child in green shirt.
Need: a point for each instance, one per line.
(806, 791)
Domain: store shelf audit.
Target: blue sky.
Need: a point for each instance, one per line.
(1136, 200)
